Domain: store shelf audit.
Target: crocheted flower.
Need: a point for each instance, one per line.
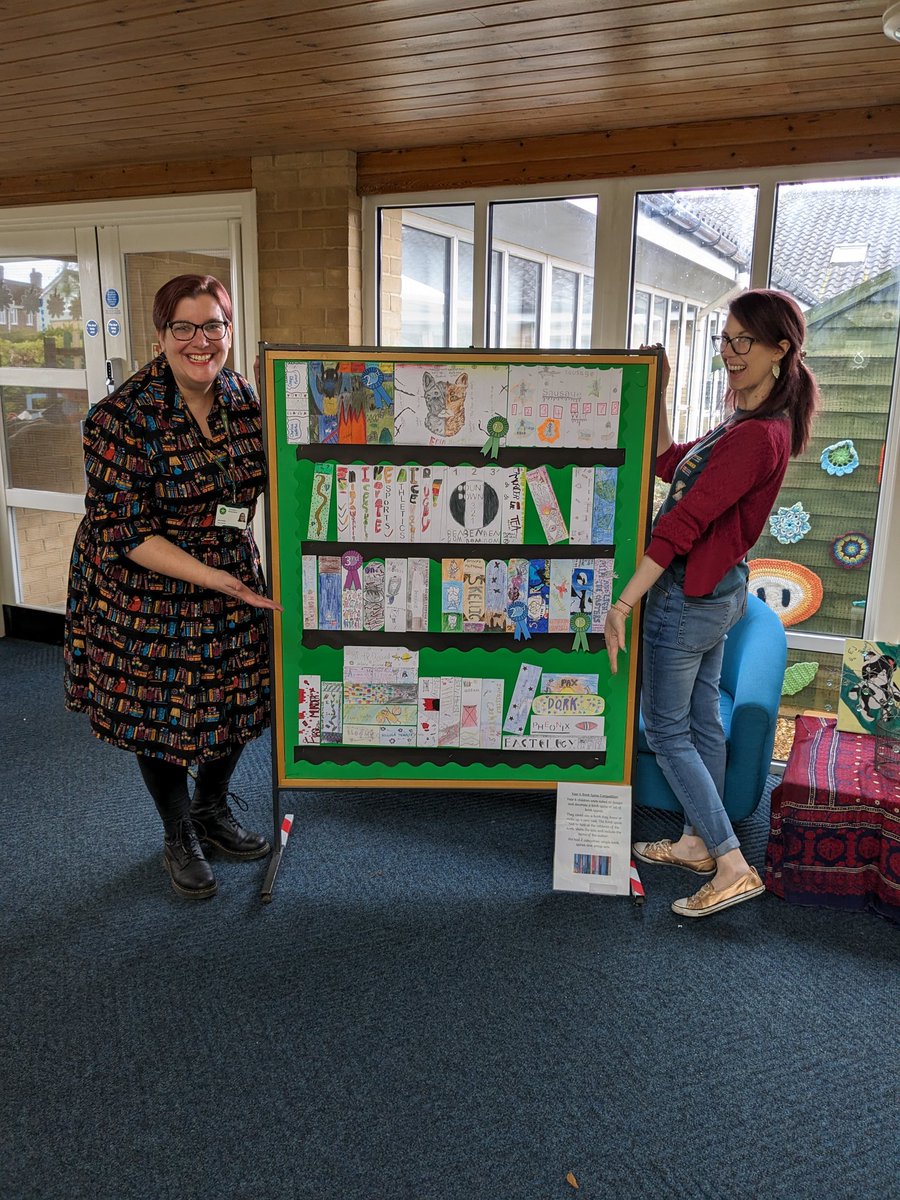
(840, 458)
(851, 550)
(789, 524)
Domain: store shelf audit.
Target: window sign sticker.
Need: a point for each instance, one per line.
(112, 298)
(92, 328)
(112, 327)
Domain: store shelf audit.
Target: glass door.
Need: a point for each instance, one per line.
(75, 321)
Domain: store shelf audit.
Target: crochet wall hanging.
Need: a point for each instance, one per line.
(840, 458)
(792, 591)
(789, 525)
(798, 676)
(851, 550)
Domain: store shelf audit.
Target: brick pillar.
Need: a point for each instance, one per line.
(310, 247)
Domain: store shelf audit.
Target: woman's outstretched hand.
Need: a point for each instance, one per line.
(230, 585)
(614, 633)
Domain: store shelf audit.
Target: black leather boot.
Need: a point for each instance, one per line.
(216, 823)
(183, 857)
(217, 826)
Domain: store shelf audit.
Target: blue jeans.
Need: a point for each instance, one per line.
(684, 640)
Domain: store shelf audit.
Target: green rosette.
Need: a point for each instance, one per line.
(497, 427)
(580, 624)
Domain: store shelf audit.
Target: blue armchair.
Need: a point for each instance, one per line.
(752, 675)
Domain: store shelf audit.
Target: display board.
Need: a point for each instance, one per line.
(445, 533)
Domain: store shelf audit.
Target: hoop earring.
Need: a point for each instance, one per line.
(776, 370)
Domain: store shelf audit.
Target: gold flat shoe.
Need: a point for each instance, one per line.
(661, 852)
(708, 901)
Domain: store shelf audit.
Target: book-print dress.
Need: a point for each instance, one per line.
(161, 667)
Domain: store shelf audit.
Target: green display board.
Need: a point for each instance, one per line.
(381, 462)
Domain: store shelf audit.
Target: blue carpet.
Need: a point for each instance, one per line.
(417, 1015)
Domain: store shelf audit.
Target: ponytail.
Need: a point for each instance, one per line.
(775, 317)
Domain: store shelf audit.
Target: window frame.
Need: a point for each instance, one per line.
(616, 206)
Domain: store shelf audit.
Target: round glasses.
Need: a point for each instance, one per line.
(740, 344)
(183, 331)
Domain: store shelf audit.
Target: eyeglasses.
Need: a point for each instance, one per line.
(740, 344)
(183, 331)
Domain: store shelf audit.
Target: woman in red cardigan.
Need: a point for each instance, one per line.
(694, 573)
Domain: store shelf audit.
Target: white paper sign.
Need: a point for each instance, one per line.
(593, 839)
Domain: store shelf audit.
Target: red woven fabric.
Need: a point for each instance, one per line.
(835, 834)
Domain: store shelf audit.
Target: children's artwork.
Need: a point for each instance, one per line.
(447, 404)
(569, 685)
(870, 685)
(296, 396)
(544, 497)
(556, 407)
(309, 688)
(320, 502)
(603, 507)
(351, 403)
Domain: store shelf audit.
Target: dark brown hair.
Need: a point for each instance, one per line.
(166, 299)
(775, 317)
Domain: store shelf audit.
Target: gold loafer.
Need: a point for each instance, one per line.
(661, 852)
(708, 901)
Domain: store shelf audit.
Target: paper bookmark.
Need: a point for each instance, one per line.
(491, 714)
(513, 517)
(351, 590)
(310, 591)
(438, 499)
(473, 595)
(320, 502)
(367, 502)
(376, 664)
(296, 398)
(550, 743)
(380, 714)
(581, 508)
(560, 594)
(603, 513)
(581, 598)
(452, 594)
(401, 495)
(343, 503)
(555, 704)
(552, 521)
(329, 592)
(380, 693)
(470, 714)
(428, 711)
(538, 595)
(450, 711)
(373, 596)
(495, 600)
(395, 585)
(379, 735)
(386, 477)
(332, 710)
(354, 504)
(309, 689)
(571, 726)
(523, 693)
(603, 584)
(417, 594)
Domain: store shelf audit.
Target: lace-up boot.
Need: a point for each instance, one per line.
(183, 857)
(218, 826)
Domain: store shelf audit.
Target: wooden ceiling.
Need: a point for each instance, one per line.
(89, 83)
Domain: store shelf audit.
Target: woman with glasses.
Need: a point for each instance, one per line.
(694, 573)
(166, 624)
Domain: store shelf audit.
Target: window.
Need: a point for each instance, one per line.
(426, 276)
(827, 236)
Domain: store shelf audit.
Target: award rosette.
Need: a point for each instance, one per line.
(497, 428)
(518, 614)
(351, 561)
(580, 624)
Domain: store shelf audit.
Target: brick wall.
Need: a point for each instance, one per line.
(310, 247)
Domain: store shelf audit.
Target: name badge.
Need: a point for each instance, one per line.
(234, 518)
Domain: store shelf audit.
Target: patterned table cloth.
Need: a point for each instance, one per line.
(835, 833)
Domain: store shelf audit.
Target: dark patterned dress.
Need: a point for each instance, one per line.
(162, 667)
